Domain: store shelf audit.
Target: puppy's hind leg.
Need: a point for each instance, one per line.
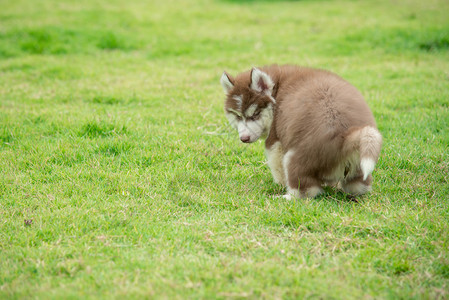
(309, 187)
(298, 185)
(357, 186)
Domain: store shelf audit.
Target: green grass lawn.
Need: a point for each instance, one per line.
(119, 175)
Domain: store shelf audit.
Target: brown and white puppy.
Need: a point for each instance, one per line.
(318, 128)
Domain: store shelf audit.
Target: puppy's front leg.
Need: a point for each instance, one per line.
(274, 156)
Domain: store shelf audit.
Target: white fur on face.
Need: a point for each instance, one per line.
(249, 128)
(232, 118)
(255, 129)
(238, 100)
(251, 110)
(252, 129)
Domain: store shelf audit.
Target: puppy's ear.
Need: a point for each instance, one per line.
(261, 82)
(227, 82)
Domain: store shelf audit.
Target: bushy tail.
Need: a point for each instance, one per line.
(367, 141)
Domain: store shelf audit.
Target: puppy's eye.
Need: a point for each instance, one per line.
(238, 117)
(255, 116)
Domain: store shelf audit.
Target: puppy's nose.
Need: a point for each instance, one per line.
(245, 138)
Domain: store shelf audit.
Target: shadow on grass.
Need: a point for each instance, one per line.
(330, 195)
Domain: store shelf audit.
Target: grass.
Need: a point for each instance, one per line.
(120, 176)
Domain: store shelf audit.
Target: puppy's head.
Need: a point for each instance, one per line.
(249, 103)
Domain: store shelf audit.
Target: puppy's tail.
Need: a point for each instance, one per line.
(367, 141)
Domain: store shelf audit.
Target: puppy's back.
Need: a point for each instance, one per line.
(317, 110)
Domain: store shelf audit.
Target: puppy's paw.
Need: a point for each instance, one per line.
(291, 194)
(288, 197)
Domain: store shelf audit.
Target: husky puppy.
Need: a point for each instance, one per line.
(318, 128)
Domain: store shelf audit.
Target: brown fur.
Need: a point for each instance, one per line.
(319, 116)
(241, 84)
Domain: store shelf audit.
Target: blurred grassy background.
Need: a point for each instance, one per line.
(120, 176)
